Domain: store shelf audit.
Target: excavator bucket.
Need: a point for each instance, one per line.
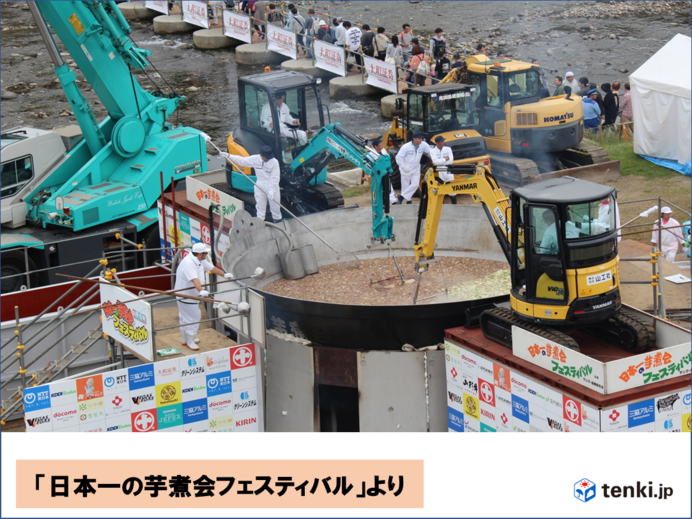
(597, 173)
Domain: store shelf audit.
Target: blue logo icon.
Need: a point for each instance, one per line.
(219, 383)
(36, 398)
(213, 382)
(520, 408)
(109, 381)
(191, 362)
(455, 420)
(640, 413)
(687, 399)
(668, 424)
(585, 490)
(244, 395)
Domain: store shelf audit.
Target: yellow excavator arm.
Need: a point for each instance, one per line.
(482, 187)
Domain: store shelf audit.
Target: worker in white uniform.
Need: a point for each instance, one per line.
(285, 118)
(549, 244)
(376, 151)
(268, 173)
(442, 157)
(190, 275)
(408, 159)
(670, 238)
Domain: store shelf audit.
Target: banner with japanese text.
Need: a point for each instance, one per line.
(160, 6)
(330, 57)
(554, 357)
(282, 41)
(381, 75)
(650, 367)
(238, 26)
(215, 391)
(127, 320)
(196, 13)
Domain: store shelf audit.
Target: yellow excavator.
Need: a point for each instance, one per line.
(560, 239)
(493, 107)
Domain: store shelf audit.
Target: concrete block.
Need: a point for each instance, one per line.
(136, 11)
(350, 87)
(306, 66)
(171, 24)
(213, 39)
(387, 105)
(257, 54)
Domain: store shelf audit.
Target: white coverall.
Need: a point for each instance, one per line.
(441, 159)
(268, 177)
(188, 309)
(285, 118)
(670, 239)
(408, 160)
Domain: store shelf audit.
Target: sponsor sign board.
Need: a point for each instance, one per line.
(160, 6)
(650, 367)
(282, 41)
(195, 13)
(381, 75)
(330, 57)
(237, 25)
(127, 320)
(192, 393)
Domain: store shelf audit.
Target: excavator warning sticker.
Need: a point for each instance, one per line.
(599, 278)
(76, 24)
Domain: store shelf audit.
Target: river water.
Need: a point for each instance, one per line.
(593, 39)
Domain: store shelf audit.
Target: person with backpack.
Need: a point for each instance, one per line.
(296, 24)
(366, 41)
(310, 31)
(274, 17)
(394, 54)
(323, 32)
(420, 66)
(438, 45)
(380, 44)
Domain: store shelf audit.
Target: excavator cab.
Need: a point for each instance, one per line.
(565, 258)
(270, 103)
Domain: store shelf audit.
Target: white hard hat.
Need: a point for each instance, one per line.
(198, 248)
(666, 210)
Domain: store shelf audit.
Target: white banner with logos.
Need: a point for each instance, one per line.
(330, 57)
(196, 13)
(160, 6)
(128, 322)
(237, 26)
(216, 391)
(560, 360)
(662, 413)
(282, 41)
(381, 75)
(648, 368)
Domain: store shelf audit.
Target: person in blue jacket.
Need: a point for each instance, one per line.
(591, 111)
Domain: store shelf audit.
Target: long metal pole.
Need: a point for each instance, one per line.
(20, 348)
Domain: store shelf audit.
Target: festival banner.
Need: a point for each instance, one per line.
(330, 57)
(195, 13)
(128, 322)
(381, 75)
(650, 367)
(281, 41)
(238, 26)
(160, 6)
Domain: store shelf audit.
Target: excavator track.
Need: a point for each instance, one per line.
(497, 323)
(511, 171)
(627, 331)
(583, 155)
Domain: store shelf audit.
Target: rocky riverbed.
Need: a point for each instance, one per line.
(604, 41)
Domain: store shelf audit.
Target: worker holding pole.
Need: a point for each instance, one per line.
(190, 275)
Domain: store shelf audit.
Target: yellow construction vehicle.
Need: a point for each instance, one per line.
(560, 239)
(494, 107)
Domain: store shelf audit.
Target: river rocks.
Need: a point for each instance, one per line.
(623, 70)
(6, 94)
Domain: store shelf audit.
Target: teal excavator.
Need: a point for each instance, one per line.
(112, 178)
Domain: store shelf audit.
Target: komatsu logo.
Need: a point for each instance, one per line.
(465, 187)
(554, 118)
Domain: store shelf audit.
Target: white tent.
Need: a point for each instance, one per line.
(660, 91)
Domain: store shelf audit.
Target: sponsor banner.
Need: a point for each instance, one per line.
(455, 399)
(537, 418)
(504, 422)
(115, 382)
(281, 41)
(686, 401)
(557, 359)
(115, 404)
(127, 321)
(64, 416)
(63, 393)
(571, 410)
(472, 408)
(520, 426)
(98, 426)
(486, 392)
(501, 377)
(195, 13)
(687, 422)
(469, 384)
(488, 415)
(170, 395)
(520, 409)
(469, 363)
(330, 57)
(381, 75)
(160, 6)
(673, 424)
(486, 428)
(647, 368)
(641, 413)
(237, 25)
(614, 419)
(519, 384)
(554, 423)
(471, 424)
(455, 420)
(590, 418)
(246, 422)
(204, 195)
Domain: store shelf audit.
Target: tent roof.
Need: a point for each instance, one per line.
(669, 69)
